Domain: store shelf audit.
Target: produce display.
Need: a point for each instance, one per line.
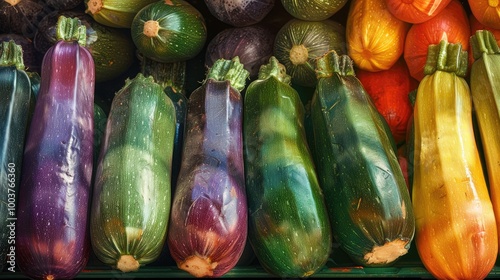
(249, 138)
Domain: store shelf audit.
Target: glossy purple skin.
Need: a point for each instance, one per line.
(52, 223)
(209, 209)
(252, 44)
(240, 13)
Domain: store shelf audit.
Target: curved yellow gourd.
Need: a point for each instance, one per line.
(456, 234)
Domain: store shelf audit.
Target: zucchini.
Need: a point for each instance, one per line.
(485, 91)
(208, 223)
(289, 228)
(15, 103)
(52, 242)
(131, 199)
(115, 13)
(367, 198)
(169, 31)
(456, 233)
(172, 78)
(298, 43)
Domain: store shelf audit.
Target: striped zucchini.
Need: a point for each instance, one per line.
(485, 90)
(456, 234)
(366, 193)
(132, 192)
(289, 227)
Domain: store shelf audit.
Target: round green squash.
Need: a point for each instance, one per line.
(115, 13)
(169, 31)
(313, 10)
(298, 43)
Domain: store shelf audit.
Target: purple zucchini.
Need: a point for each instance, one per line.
(52, 240)
(208, 222)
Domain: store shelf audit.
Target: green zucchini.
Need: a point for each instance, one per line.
(289, 228)
(169, 31)
(132, 192)
(15, 100)
(367, 198)
(115, 13)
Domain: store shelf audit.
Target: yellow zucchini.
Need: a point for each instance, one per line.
(456, 235)
(485, 91)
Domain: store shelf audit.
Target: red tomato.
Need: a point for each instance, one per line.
(452, 24)
(416, 11)
(389, 91)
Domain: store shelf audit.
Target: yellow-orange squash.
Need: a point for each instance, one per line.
(456, 234)
(375, 37)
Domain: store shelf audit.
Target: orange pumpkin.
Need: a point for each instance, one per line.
(451, 23)
(375, 38)
(416, 11)
(487, 12)
(476, 25)
(391, 99)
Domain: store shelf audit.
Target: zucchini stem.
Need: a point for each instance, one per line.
(448, 57)
(71, 29)
(11, 54)
(127, 263)
(331, 63)
(229, 70)
(299, 54)
(483, 42)
(94, 6)
(274, 69)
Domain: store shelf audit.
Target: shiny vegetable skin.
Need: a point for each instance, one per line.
(456, 233)
(367, 198)
(289, 227)
(169, 31)
(131, 200)
(52, 240)
(485, 91)
(208, 223)
(15, 101)
(172, 78)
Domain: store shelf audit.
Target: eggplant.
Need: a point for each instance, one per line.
(52, 242)
(61, 5)
(112, 48)
(252, 44)
(19, 17)
(239, 13)
(208, 223)
(15, 100)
